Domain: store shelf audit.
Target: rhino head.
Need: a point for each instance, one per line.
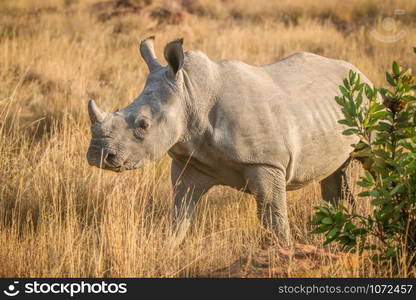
(147, 128)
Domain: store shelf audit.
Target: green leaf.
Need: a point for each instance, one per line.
(361, 153)
(379, 114)
(378, 201)
(359, 98)
(320, 229)
(396, 68)
(397, 189)
(364, 194)
(383, 126)
(347, 122)
(332, 234)
(370, 92)
(360, 145)
(352, 76)
(375, 107)
(349, 131)
(390, 79)
(323, 209)
(349, 226)
(357, 82)
(344, 91)
(340, 100)
(346, 84)
(391, 251)
(359, 231)
(327, 221)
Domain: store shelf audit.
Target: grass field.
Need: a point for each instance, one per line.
(59, 217)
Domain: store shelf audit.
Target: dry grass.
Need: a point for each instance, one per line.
(61, 217)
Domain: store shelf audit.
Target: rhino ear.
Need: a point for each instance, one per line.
(174, 55)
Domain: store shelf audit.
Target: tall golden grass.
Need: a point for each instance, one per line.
(59, 217)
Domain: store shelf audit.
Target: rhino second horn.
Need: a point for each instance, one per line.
(148, 53)
(95, 113)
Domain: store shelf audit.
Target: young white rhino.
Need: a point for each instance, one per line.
(265, 129)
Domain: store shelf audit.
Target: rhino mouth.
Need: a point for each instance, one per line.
(111, 160)
(127, 166)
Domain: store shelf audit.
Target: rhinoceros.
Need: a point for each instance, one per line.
(262, 129)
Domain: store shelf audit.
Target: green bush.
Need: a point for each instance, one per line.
(385, 122)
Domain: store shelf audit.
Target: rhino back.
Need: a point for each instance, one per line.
(283, 114)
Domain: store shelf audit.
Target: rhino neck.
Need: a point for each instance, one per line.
(200, 84)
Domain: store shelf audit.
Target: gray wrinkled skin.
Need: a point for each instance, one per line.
(264, 129)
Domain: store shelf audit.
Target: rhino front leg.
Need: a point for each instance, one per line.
(268, 185)
(189, 185)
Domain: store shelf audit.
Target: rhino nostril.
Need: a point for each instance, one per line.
(111, 160)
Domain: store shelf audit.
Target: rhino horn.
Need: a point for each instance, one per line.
(148, 53)
(95, 113)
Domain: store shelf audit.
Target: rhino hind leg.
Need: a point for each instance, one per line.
(335, 187)
(268, 185)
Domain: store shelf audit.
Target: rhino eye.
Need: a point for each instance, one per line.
(141, 129)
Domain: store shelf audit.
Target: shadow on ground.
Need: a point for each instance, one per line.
(300, 260)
